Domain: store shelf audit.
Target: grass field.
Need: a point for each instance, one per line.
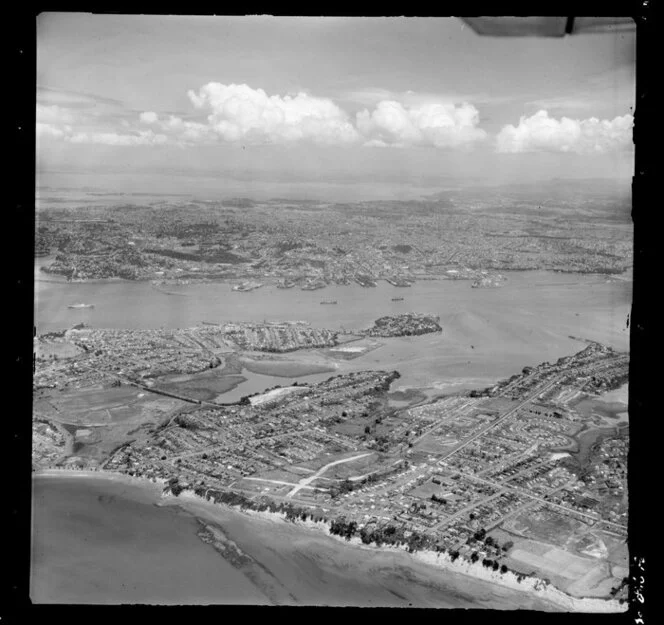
(111, 416)
(433, 444)
(56, 349)
(424, 491)
(284, 368)
(551, 560)
(546, 525)
(85, 400)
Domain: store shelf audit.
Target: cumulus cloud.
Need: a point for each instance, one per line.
(587, 136)
(75, 127)
(240, 113)
(243, 115)
(442, 125)
(178, 131)
(149, 117)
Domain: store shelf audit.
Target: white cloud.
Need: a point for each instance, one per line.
(62, 123)
(53, 115)
(243, 115)
(543, 133)
(148, 117)
(442, 125)
(112, 138)
(240, 113)
(178, 131)
(49, 130)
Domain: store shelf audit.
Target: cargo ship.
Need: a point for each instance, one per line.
(329, 301)
(80, 306)
(364, 281)
(397, 299)
(402, 282)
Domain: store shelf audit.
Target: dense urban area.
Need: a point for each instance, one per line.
(471, 234)
(521, 476)
(526, 477)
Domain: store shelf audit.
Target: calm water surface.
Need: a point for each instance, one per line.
(487, 333)
(102, 541)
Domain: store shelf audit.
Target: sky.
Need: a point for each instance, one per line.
(366, 100)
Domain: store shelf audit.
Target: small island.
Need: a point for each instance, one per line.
(407, 324)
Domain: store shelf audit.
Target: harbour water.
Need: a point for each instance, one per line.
(100, 541)
(487, 334)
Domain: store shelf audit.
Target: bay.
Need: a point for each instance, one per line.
(488, 334)
(102, 541)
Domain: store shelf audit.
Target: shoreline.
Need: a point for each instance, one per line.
(475, 571)
(625, 276)
(189, 501)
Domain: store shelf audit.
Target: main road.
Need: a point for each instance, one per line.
(501, 419)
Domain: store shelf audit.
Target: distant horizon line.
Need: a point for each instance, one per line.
(423, 181)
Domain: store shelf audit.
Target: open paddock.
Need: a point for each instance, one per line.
(600, 545)
(56, 350)
(546, 525)
(497, 404)
(257, 486)
(285, 368)
(129, 414)
(94, 399)
(359, 468)
(284, 474)
(424, 491)
(435, 444)
(354, 423)
(549, 560)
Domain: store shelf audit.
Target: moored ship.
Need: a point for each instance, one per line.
(80, 306)
(247, 286)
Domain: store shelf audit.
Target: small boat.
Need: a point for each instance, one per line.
(329, 301)
(247, 286)
(397, 299)
(79, 306)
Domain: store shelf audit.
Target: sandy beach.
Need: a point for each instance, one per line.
(463, 571)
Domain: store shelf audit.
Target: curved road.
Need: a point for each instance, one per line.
(307, 480)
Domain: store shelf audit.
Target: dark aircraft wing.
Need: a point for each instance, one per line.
(547, 26)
